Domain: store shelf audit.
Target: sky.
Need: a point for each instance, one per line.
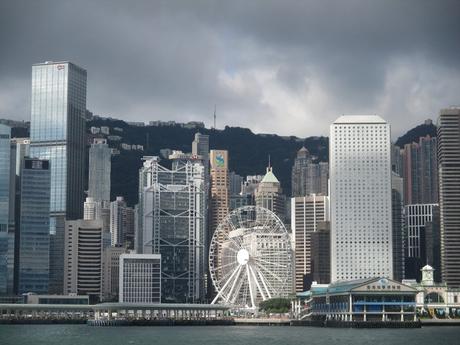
(287, 67)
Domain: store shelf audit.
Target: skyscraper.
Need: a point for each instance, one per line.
(57, 134)
(449, 193)
(270, 195)
(173, 225)
(417, 216)
(321, 253)
(20, 148)
(6, 274)
(110, 272)
(309, 177)
(99, 170)
(235, 183)
(200, 146)
(306, 213)
(33, 233)
(83, 258)
(118, 221)
(419, 168)
(360, 174)
(399, 238)
(299, 173)
(219, 205)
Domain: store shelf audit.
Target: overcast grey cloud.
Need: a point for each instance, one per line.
(287, 67)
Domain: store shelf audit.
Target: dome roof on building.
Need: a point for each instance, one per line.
(427, 268)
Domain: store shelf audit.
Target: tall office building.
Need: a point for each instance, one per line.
(33, 235)
(449, 193)
(110, 272)
(270, 195)
(318, 178)
(173, 225)
(399, 238)
(219, 203)
(20, 148)
(321, 253)
(57, 134)
(397, 160)
(416, 217)
(6, 273)
(308, 177)
(200, 146)
(306, 213)
(99, 210)
(83, 258)
(299, 172)
(419, 168)
(235, 183)
(99, 170)
(433, 245)
(141, 278)
(119, 221)
(360, 174)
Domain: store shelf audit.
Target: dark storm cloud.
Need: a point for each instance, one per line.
(289, 67)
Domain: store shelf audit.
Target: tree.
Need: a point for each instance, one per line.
(276, 305)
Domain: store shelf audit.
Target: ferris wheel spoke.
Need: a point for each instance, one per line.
(227, 274)
(228, 264)
(264, 283)
(223, 287)
(232, 249)
(257, 283)
(270, 272)
(251, 288)
(269, 263)
(235, 281)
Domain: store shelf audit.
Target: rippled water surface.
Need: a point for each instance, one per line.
(223, 335)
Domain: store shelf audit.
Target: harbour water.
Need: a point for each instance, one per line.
(223, 335)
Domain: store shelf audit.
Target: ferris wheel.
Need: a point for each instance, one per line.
(250, 258)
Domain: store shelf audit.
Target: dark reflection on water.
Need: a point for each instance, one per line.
(220, 335)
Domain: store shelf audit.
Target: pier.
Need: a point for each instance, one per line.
(116, 314)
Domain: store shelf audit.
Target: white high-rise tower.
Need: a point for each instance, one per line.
(360, 178)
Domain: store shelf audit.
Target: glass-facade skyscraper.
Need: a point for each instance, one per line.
(57, 134)
(5, 166)
(34, 237)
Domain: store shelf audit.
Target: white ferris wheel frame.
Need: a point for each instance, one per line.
(250, 259)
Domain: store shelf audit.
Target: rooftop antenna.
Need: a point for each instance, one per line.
(269, 164)
(214, 116)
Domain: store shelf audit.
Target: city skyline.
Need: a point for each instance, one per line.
(301, 67)
(146, 189)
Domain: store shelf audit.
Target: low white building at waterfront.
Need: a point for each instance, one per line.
(140, 278)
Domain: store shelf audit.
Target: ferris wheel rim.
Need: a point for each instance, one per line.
(239, 275)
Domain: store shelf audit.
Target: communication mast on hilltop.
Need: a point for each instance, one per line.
(214, 116)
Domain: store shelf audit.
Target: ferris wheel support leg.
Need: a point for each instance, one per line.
(233, 285)
(257, 284)
(225, 285)
(250, 287)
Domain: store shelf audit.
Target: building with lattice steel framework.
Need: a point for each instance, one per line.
(172, 222)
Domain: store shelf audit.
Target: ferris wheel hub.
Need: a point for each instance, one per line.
(242, 256)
